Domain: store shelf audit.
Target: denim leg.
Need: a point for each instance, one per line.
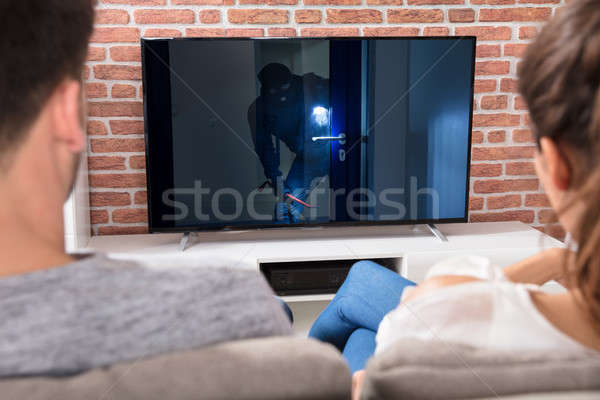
(359, 348)
(369, 292)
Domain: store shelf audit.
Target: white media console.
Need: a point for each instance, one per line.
(414, 249)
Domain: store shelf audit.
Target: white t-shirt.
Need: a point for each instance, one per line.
(494, 313)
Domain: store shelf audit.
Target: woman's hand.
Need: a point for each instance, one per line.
(357, 384)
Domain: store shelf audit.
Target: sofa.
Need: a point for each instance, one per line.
(266, 368)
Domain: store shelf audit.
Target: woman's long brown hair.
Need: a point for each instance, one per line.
(559, 79)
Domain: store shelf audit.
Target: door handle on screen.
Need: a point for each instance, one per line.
(339, 138)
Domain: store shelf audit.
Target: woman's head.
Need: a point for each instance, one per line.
(560, 82)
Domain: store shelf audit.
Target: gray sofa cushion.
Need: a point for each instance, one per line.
(436, 370)
(268, 368)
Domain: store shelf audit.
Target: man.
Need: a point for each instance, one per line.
(292, 109)
(58, 314)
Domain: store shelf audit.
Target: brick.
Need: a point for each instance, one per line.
(523, 136)
(164, 16)
(205, 32)
(103, 199)
(122, 91)
(527, 32)
(492, 67)
(115, 109)
(319, 32)
(96, 128)
(96, 54)
(485, 85)
(126, 53)
(307, 16)
(117, 72)
(98, 216)
(332, 2)
(507, 201)
(520, 103)
(257, 16)
(117, 145)
(203, 2)
(487, 50)
(514, 14)
(461, 15)
(137, 162)
(487, 170)
(140, 197)
(115, 35)
(505, 185)
(536, 200)
(385, 2)
(509, 85)
(525, 216)
(433, 2)
(126, 127)
(137, 2)
(209, 16)
(496, 136)
(391, 31)
(498, 102)
(111, 17)
(514, 49)
(95, 90)
(477, 137)
(502, 153)
(349, 16)
(480, 120)
(106, 163)
(245, 32)
(86, 72)
(118, 180)
(281, 32)
(122, 230)
(539, 1)
(547, 216)
(475, 203)
(282, 2)
(162, 33)
(520, 168)
(402, 16)
(130, 215)
(436, 31)
(484, 33)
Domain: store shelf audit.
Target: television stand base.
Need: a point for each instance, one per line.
(185, 240)
(437, 233)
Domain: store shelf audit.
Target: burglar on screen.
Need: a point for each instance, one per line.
(292, 109)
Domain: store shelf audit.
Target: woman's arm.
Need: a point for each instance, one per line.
(537, 269)
(540, 268)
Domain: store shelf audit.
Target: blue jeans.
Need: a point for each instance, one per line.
(351, 320)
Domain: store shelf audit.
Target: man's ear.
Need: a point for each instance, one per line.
(67, 115)
(557, 165)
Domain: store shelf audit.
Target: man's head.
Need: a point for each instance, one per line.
(43, 45)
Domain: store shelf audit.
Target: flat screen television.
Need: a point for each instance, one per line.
(258, 133)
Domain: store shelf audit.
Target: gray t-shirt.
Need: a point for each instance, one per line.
(98, 311)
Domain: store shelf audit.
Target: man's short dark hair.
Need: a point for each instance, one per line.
(42, 42)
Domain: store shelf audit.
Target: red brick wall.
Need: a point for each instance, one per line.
(503, 183)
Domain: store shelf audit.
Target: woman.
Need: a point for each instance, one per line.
(469, 301)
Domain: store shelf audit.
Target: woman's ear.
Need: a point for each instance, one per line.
(67, 109)
(557, 167)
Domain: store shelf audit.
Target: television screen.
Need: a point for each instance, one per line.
(245, 133)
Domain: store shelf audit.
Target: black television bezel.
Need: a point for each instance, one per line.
(245, 227)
